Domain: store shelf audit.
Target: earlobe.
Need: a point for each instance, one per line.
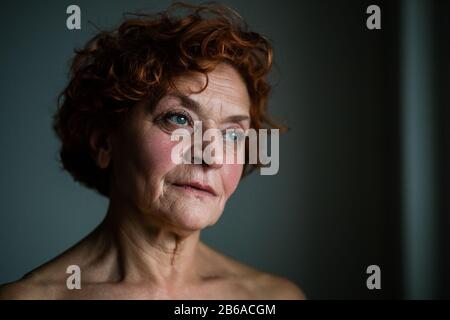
(100, 149)
(103, 159)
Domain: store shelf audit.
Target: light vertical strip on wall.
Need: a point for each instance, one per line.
(420, 238)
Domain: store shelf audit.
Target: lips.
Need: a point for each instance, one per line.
(196, 186)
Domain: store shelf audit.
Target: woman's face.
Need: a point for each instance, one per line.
(144, 175)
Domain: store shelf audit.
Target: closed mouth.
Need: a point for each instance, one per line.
(195, 186)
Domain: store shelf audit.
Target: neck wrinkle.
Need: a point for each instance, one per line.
(150, 253)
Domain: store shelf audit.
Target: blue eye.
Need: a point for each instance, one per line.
(234, 135)
(179, 119)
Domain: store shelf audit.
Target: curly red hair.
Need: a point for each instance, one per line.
(139, 60)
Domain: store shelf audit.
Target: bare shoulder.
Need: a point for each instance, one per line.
(257, 284)
(278, 288)
(41, 283)
(24, 289)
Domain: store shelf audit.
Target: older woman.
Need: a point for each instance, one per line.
(130, 89)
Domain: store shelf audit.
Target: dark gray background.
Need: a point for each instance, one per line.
(335, 206)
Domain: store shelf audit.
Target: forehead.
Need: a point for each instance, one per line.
(225, 94)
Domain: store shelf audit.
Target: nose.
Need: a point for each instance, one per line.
(208, 147)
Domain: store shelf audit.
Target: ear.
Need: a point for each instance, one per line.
(100, 144)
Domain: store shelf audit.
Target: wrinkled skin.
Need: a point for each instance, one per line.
(148, 246)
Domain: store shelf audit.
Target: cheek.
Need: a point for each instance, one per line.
(231, 175)
(156, 152)
(142, 160)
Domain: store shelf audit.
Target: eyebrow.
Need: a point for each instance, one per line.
(196, 107)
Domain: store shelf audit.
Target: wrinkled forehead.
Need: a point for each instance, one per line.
(225, 94)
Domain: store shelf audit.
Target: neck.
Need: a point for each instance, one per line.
(146, 251)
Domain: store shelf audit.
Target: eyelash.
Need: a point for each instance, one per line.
(239, 134)
(165, 118)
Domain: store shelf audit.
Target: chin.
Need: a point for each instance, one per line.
(194, 218)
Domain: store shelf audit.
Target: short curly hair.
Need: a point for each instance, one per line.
(139, 60)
